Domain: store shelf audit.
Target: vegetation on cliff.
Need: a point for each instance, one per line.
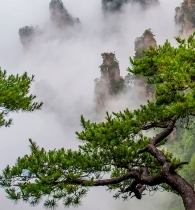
(185, 17)
(111, 83)
(15, 96)
(144, 42)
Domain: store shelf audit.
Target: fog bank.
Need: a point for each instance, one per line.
(65, 66)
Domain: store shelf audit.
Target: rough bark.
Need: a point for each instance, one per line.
(168, 175)
(174, 180)
(139, 176)
(181, 186)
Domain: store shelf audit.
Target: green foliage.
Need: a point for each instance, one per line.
(107, 148)
(14, 95)
(47, 172)
(139, 54)
(184, 148)
(116, 87)
(171, 76)
(114, 148)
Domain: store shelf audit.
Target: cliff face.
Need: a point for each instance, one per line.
(110, 82)
(143, 43)
(185, 18)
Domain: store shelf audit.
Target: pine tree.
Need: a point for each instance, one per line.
(14, 95)
(118, 147)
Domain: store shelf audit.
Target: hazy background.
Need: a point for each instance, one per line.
(65, 67)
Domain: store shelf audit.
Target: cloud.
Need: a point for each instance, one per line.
(65, 67)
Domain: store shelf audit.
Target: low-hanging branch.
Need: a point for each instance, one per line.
(116, 153)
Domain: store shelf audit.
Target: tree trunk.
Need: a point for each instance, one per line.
(185, 190)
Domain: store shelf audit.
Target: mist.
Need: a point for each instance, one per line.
(65, 66)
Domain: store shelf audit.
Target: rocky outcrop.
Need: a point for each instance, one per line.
(110, 82)
(27, 34)
(143, 43)
(116, 5)
(60, 16)
(185, 18)
(110, 67)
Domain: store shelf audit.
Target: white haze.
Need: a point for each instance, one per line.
(64, 71)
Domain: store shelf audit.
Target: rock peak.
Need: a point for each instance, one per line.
(185, 18)
(110, 82)
(144, 42)
(59, 15)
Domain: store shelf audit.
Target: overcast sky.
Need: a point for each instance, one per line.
(65, 67)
